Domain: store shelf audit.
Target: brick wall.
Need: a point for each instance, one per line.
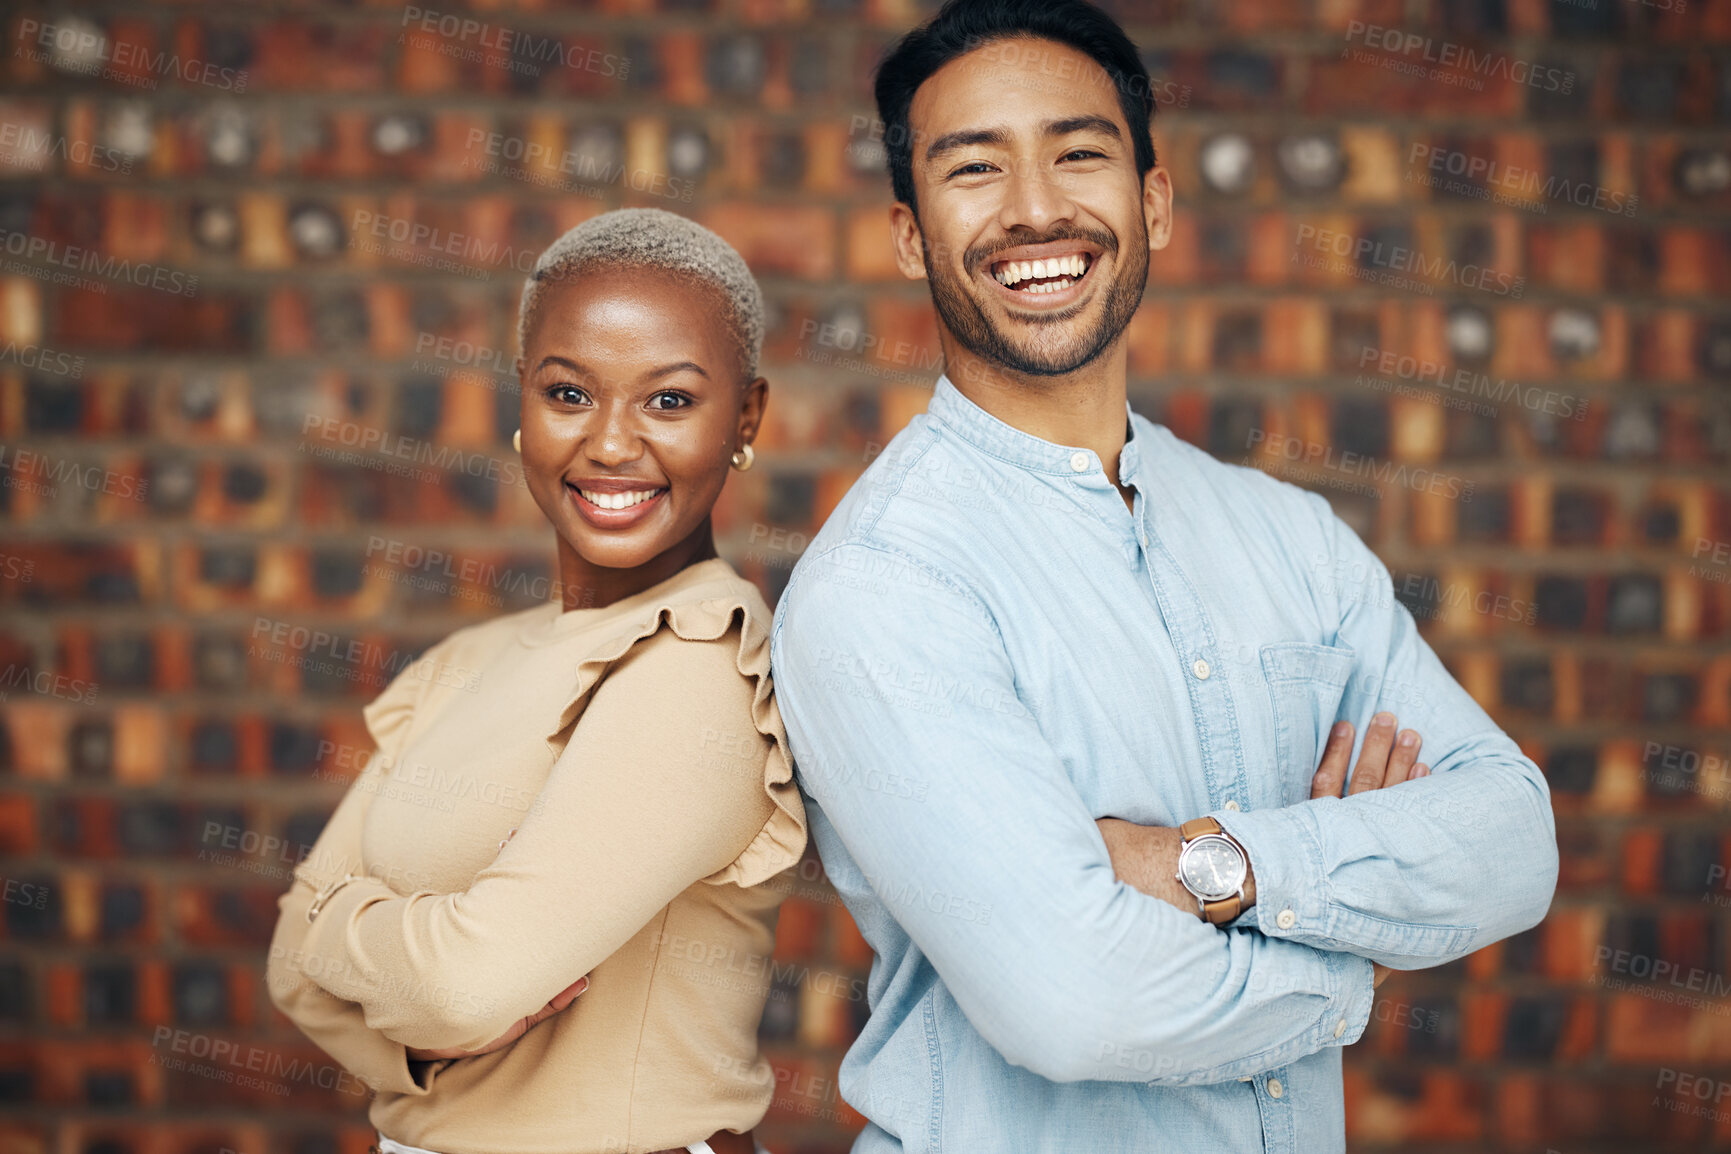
(1458, 264)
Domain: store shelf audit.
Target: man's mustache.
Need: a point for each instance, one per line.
(978, 257)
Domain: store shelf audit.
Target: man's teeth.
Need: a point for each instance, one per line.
(1066, 268)
(618, 500)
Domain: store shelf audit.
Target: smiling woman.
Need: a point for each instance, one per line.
(639, 341)
(646, 843)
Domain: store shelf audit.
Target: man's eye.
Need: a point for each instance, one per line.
(567, 394)
(973, 169)
(1084, 154)
(668, 399)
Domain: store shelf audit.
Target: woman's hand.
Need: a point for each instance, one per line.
(560, 1000)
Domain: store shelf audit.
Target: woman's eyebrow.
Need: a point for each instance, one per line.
(676, 367)
(654, 374)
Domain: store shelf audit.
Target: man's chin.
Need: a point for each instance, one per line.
(1047, 351)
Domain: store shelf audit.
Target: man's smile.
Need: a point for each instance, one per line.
(1047, 276)
(1041, 276)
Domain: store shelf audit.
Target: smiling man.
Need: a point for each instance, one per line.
(1058, 684)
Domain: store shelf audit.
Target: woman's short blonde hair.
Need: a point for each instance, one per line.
(656, 239)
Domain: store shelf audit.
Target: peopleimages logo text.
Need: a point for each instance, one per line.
(1448, 54)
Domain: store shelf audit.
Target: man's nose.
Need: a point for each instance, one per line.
(1034, 198)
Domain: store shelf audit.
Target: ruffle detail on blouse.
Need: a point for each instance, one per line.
(781, 841)
(390, 715)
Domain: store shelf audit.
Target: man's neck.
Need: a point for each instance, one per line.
(1084, 408)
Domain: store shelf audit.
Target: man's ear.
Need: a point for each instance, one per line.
(1157, 207)
(905, 235)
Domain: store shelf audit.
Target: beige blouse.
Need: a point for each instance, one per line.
(637, 752)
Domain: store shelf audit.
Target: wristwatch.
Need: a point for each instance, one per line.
(1213, 867)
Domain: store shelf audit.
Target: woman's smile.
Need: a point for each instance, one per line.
(616, 503)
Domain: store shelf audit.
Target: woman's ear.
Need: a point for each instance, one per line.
(751, 409)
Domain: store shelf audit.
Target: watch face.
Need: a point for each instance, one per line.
(1211, 867)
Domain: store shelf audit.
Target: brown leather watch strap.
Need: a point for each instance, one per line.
(1222, 911)
(1196, 827)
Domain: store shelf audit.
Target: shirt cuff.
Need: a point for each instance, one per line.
(325, 947)
(1355, 985)
(1285, 856)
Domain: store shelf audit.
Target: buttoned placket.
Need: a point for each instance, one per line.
(1217, 731)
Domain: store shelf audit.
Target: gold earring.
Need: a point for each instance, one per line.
(743, 457)
(517, 440)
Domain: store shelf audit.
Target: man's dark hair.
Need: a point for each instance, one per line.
(964, 25)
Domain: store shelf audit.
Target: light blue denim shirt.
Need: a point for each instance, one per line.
(984, 650)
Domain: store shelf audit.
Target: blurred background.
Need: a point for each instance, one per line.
(1460, 265)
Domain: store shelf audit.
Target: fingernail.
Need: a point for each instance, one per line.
(1409, 739)
(1421, 771)
(1385, 720)
(1341, 729)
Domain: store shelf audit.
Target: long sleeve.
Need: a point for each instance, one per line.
(660, 785)
(1425, 872)
(996, 870)
(339, 1027)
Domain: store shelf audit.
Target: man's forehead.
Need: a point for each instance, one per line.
(1012, 83)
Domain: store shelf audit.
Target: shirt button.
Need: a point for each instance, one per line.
(1286, 919)
(1232, 804)
(1275, 1089)
(1340, 1027)
(1200, 669)
(1079, 461)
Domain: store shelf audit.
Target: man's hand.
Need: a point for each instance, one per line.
(560, 1000)
(1386, 759)
(1146, 856)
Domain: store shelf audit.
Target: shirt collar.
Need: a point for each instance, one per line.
(1006, 442)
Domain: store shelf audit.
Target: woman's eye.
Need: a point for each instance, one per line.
(669, 400)
(567, 394)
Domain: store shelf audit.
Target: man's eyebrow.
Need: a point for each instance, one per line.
(963, 138)
(1089, 123)
(950, 141)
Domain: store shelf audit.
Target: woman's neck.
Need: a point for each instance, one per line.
(584, 585)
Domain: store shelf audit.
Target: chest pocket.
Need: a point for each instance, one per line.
(1305, 683)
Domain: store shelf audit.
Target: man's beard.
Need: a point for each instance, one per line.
(962, 315)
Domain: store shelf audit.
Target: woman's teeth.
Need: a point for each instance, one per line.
(618, 500)
(1050, 275)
